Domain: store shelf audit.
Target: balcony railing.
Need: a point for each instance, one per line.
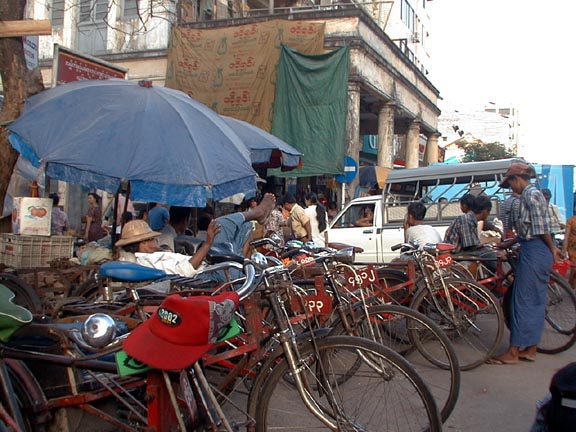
(378, 10)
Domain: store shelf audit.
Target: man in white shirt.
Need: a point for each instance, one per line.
(139, 243)
(415, 231)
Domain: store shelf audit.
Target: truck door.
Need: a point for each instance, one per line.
(356, 226)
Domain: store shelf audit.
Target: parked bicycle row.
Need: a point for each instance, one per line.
(281, 357)
(254, 351)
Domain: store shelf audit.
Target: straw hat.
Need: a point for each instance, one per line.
(136, 231)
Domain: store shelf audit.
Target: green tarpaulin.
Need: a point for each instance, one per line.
(310, 109)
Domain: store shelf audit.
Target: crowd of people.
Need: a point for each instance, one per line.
(174, 229)
(156, 238)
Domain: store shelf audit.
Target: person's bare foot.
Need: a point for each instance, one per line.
(510, 357)
(261, 212)
(528, 354)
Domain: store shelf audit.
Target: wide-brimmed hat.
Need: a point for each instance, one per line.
(182, 330)
(517, 169)
(136, 231)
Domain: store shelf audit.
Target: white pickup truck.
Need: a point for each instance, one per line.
(439, 187)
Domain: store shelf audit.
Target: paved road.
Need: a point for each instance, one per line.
(502, 398)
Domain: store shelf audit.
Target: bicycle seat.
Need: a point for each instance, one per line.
(12, 316)
(445, 247)
(221, 252)
(130, 272)
(339, 246)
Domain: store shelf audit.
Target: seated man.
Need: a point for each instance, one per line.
(139, 243)
(415, 230)
(173, 237)
(463, 231)
(367, 217)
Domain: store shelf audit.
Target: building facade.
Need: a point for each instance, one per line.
(390, 99)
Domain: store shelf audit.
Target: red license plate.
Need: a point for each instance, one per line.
(445, 260)
(363, 277)
(318, 304)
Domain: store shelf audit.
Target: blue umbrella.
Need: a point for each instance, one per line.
(266, 150)
(171, 148)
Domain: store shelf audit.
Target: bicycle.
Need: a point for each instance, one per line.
(469, 313)
(32, 391)
(264, 346)
(559, 332)
(351, 311)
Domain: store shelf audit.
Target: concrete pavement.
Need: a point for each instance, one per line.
(502, 398)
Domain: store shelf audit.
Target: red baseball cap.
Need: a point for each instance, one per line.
(181, 331)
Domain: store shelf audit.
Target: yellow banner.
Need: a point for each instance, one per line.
(233, 69)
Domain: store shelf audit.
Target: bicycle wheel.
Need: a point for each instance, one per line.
(385, 393)
(27, 397)
(89, 290)
(476, 324)
(399, 327)
(560, 319)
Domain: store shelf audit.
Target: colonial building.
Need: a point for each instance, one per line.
(392, 113)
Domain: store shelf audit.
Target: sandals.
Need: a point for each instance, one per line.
(499, 361)
(528, 354)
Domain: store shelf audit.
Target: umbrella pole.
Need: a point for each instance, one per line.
(114, 217)
(116, 200)
(195, 227)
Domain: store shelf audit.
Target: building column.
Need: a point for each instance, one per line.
(352, 134)
(385, 156)
(431, 154)
(412, 145)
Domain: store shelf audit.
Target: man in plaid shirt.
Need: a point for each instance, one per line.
(532, 273)
(463, 231)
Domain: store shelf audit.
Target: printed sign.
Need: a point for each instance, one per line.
(72, 66)
(233, 70)
(318, 304)
(362, 277)
(445, 260)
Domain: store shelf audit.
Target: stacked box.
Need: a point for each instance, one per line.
(31, 216)
(24, 251)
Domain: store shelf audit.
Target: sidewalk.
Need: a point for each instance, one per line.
(502, 398)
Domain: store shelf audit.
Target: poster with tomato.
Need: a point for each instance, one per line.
(31, 216)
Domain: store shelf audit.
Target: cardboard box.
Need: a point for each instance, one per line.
(32, 216)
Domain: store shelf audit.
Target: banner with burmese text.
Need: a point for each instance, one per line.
(233, 69)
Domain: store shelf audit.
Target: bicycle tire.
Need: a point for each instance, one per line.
(559, 333)
(477, 325)
(397, 326)
(388, 279)
(28, 396)
(89, 290)
(388, 396)
(25, 295)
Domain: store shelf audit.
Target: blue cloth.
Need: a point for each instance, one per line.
(528, 300)
(158, 217)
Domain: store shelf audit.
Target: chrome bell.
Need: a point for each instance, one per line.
(259, 259)
(98, 330)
